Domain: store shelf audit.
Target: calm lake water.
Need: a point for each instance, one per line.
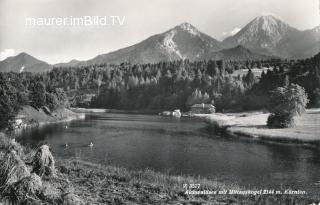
(180, 146)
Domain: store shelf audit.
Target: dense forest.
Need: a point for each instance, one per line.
(165, 85)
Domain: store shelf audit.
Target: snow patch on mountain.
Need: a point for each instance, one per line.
(230, 33)
(21, 69)
(170, 46)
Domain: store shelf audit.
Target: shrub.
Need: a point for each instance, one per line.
(280, 121)
(286, 102)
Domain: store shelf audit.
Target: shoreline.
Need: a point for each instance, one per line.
(252, 125)
(102, 110)
(30, 117)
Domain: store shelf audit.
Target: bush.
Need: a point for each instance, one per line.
(280, 121)
(286, 102)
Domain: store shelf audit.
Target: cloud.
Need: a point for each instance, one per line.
(6, 53)
(230, 33)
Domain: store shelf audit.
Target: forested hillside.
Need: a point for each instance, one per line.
(165, 85)
(302, 72)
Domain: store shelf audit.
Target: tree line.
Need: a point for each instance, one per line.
(164, 85)
(17, 90)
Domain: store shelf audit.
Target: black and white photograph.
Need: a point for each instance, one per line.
(187, 102)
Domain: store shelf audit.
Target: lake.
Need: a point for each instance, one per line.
(180, 146)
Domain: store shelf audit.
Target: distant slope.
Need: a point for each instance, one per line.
(308, 44)
(238, 53)
(24, 63)
(70, 63)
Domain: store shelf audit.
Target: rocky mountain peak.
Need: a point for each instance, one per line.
(262, 34)
(270, 24)
(189, 28)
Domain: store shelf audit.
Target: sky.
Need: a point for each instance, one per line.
(143, 18)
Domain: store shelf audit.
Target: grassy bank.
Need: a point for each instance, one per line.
(254, 124)
(79, 182)
(30, 116)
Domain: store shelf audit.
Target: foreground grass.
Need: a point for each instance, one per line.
(106, 184)
(253, 124)
(110, 185)
(79, 182)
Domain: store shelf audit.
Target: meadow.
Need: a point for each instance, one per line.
(254, 124)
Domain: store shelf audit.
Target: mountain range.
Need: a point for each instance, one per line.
(262, 38)
(181, 42)
(271, 36)
(24, 63)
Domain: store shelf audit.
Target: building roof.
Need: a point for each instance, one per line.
(202, 106)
